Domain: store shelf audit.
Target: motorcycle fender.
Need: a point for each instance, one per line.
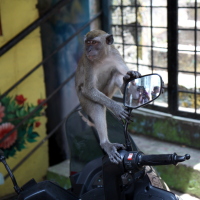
(144, 190)
(154, 179)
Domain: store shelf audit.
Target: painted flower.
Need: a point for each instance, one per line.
(5, 128)
(37, 124)
(20, 99)
(39, 101)
(2, 114)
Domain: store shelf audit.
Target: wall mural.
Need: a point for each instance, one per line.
(17, 142)
(12, 111)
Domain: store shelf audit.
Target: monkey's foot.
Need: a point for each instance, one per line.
(111, 150)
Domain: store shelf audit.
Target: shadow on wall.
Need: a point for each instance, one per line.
(54, 32)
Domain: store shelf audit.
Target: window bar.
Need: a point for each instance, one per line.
(144, 26)
(136, 34)
(122, 29)
(195, 58)
(161, 48)
(106, 16)
(172, 56)
(151, 13)
(132, 6)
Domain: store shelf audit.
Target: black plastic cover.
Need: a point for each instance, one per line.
(45, 190)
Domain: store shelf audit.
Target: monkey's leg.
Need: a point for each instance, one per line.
(98, 114)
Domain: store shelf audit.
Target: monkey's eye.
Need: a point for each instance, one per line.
(88, 41)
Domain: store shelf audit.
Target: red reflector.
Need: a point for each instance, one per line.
(72, 173)
(130, 156)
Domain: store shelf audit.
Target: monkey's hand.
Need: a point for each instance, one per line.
(111, 150)
(130, 75)
(120, 112)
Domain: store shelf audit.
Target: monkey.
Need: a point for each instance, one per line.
(101, 70)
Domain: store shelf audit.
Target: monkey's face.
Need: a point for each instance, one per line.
(93, 49)
(97, 44)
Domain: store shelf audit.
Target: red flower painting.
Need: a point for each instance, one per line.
(5, 128)
(2, 114)
(12, 111)
(39, 101)
(37, 124)
(20, 99)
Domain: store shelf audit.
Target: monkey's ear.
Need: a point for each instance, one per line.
(109, 39)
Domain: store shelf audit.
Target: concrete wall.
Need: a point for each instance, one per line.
(166, 127)
(15, 16)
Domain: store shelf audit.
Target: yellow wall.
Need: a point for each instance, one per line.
(15, 16)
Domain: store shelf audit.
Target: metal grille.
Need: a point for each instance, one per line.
(189, 56)
(162, 37)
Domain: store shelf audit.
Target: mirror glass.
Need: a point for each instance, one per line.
(143, 90)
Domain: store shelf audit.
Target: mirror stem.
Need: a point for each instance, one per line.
(3, 160)
(127, 136)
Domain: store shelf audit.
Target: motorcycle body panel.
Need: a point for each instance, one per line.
(141, 186)
(145, 191)
(89, 186)
(45, 190)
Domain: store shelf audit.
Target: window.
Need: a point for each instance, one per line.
(162, 37)
(189, 56)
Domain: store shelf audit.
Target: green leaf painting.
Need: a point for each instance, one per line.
(12, 111)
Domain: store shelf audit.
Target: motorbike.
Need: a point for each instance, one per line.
(92, 174)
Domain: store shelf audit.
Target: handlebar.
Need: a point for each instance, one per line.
(162, 159)
(135, 160)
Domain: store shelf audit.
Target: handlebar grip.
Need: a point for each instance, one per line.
(162, 159)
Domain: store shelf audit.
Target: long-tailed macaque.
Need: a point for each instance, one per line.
(100, 72)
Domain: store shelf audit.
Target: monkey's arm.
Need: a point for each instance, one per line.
(95, 95)
(90, 91)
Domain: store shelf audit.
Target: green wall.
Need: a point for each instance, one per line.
(166, 127)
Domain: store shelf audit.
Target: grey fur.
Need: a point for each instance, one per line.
(100, 72)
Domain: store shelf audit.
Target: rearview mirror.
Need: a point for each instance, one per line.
(143, 90)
